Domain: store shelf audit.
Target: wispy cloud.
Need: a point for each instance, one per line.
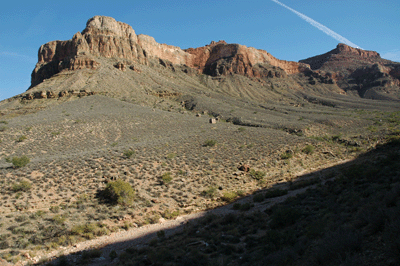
(319, 26)
(393, 55)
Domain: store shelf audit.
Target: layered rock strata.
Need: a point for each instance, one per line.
(105, 37)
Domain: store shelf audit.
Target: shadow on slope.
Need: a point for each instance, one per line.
(344, 215)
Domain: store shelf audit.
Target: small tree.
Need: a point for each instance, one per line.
(21, 186)
(119, 192)
(309, 149)
(18, 161)
(209, 143)
(166, 178)
(129, 153)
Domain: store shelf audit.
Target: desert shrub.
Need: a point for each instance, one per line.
(166, 178)
(63, 261)
(258, 197)
(309, 149)
(229, 196)
(54, 208)
(242, 207)
(119, 192)
(90, 254)
(21, 138)
(284, 216)
(209, 143)
(128, 153)
(257, 175)
(304, 183)
(241, 193)
(161, 234)
(170, 215)
(113, 255)
(3, 128)
(21, 186)
(275, 193)
(89, 230)
(19, 161)
(59, 219)
(171, 155)
(286, 155)
(210, 192)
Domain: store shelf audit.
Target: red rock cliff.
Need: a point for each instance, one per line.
(105, 37)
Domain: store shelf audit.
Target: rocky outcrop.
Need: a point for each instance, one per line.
(220, 58)
(102, 37)
(48, 94)
(105, 37)
(356, 70)
(345, 68)
(343, 59)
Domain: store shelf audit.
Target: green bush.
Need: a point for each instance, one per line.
(210, 192)
(87, 255)
(21, 186)
(258, 197)
(19, 161)
(257, 175)
(229, 196)
(309, 149)
(113, 255)
(283, 216)
(119, 192)
(129, 153)
(166, 178)
(286, 155)
(21, 138)
(209, 143)
(275, 193)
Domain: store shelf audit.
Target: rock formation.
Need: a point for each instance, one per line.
(343, 59)
(357, 70)
(220, 58)
(106, 41)
(105, 37)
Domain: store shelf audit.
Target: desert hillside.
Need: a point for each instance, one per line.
(129, 152)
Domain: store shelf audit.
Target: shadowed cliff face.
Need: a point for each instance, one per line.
(357, 71)
(343, 58)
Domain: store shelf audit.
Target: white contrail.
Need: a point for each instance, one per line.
(319, 26)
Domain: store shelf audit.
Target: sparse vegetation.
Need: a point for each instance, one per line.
(21, 186)
(119, 192)
(257, 175)
(210, 192)
(19, 161)
(229, 196)
(209, 143)
(272, 193)
(21, 138)
(287, 155)
(128, 153)
(166, 178)
(170, 170)
(309, 149)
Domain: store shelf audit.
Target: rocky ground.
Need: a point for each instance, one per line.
(78, 146)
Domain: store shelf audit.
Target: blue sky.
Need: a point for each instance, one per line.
(263, 24)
